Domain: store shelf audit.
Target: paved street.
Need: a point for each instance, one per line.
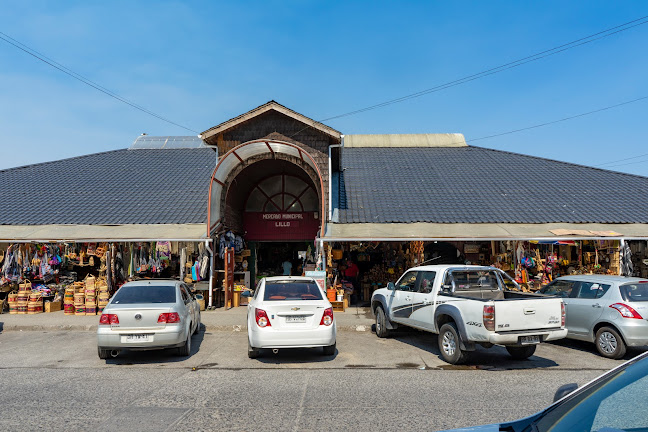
(53, 380)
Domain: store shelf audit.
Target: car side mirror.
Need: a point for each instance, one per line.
(564, 391)
(447, 288)
(391, 286)
(246, 293)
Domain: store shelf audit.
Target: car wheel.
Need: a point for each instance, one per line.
(609, 343)
(253, 352)
(103, 353)
(197, 330)
(521, 353)
(449, 344)
(329, 350)
(185, 350)
(381, 323)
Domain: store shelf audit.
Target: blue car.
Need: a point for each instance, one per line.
(613, 402)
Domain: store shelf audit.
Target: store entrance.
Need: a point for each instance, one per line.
(278, 258)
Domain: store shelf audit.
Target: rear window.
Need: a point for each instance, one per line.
(474, 280)
(634, 292)
(291, 290)
(137, 294)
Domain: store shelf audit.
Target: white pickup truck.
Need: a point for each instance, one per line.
(468, 305)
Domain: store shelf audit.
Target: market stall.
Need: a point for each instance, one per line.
(81, 277)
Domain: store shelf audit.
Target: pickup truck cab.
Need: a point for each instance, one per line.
(468, 305)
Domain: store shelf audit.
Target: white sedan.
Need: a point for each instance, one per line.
(290, 312)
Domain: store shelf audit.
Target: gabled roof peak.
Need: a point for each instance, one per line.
(269, 106)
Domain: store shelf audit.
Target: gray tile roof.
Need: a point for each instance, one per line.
(140, 186)
(478, 185)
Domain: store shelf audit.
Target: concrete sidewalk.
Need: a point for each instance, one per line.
(353, 319)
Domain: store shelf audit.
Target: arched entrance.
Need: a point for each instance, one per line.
(271, 193)
(281, 207)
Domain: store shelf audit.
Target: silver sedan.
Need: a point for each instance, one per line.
(611, 311)
(148, 314)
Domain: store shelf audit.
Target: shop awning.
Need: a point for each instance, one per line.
(108, 233)
(485, 231)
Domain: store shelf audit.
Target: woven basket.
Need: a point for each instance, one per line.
(21, 308)
(35, 296)
(79, 310)
(68, 309)
(22, 296)
(13, 308)
(34, 307)
(12, 297)
(25, 285)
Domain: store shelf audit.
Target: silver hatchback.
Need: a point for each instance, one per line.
(611, 311)
(148, 314)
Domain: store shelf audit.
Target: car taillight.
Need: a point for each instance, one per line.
(626, 311)
(169, 318)
(489, 317)
(562, 314)
(108, 319)
(262, 318)
(327, 318)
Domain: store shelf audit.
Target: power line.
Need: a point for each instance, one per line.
(564, 119)
(621, 160)
(534, 57)
(84, 80)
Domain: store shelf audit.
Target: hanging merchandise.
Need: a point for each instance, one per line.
(204, 265)
(163, 249)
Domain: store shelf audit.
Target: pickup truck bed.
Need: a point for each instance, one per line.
(468, 305)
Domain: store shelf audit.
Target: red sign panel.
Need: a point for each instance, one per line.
(280, 226)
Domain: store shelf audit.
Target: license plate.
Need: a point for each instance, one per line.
(526, 340)
(296, 319)
(137, 338)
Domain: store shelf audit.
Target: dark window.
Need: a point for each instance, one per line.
(590, 290)
(427, 282)
(558, 288)
(634, 292)
(407, 282)
(185, 294)
(291, 290)
(137, 294)
(475, 280)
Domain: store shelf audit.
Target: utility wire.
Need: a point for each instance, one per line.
(534, 57)
(84, 80)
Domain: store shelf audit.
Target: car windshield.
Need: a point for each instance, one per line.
(607, 405)
(138, 294)
(635, 292)
(291, 290)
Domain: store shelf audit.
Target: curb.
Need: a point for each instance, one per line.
(218, 328)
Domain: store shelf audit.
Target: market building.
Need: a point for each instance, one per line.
(274, 191)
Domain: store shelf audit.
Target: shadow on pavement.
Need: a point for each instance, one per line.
(493, 359)
(169, 355)
(589, 347)
(295, 355)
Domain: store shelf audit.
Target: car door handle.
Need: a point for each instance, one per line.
(596, 305)
(408, 298)
(427, 302)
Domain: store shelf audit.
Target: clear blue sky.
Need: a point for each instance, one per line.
(201, 63)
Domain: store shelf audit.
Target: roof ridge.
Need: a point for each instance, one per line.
(558, 161)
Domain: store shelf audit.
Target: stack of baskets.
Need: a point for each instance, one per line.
(90, 296)
(79, 298)
(22, 298)
(103, 296)
(12, 299)
(35, 303)
(68, 300)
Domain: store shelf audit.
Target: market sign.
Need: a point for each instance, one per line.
(261, 226)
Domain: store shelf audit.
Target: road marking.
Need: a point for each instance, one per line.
(301, 405)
